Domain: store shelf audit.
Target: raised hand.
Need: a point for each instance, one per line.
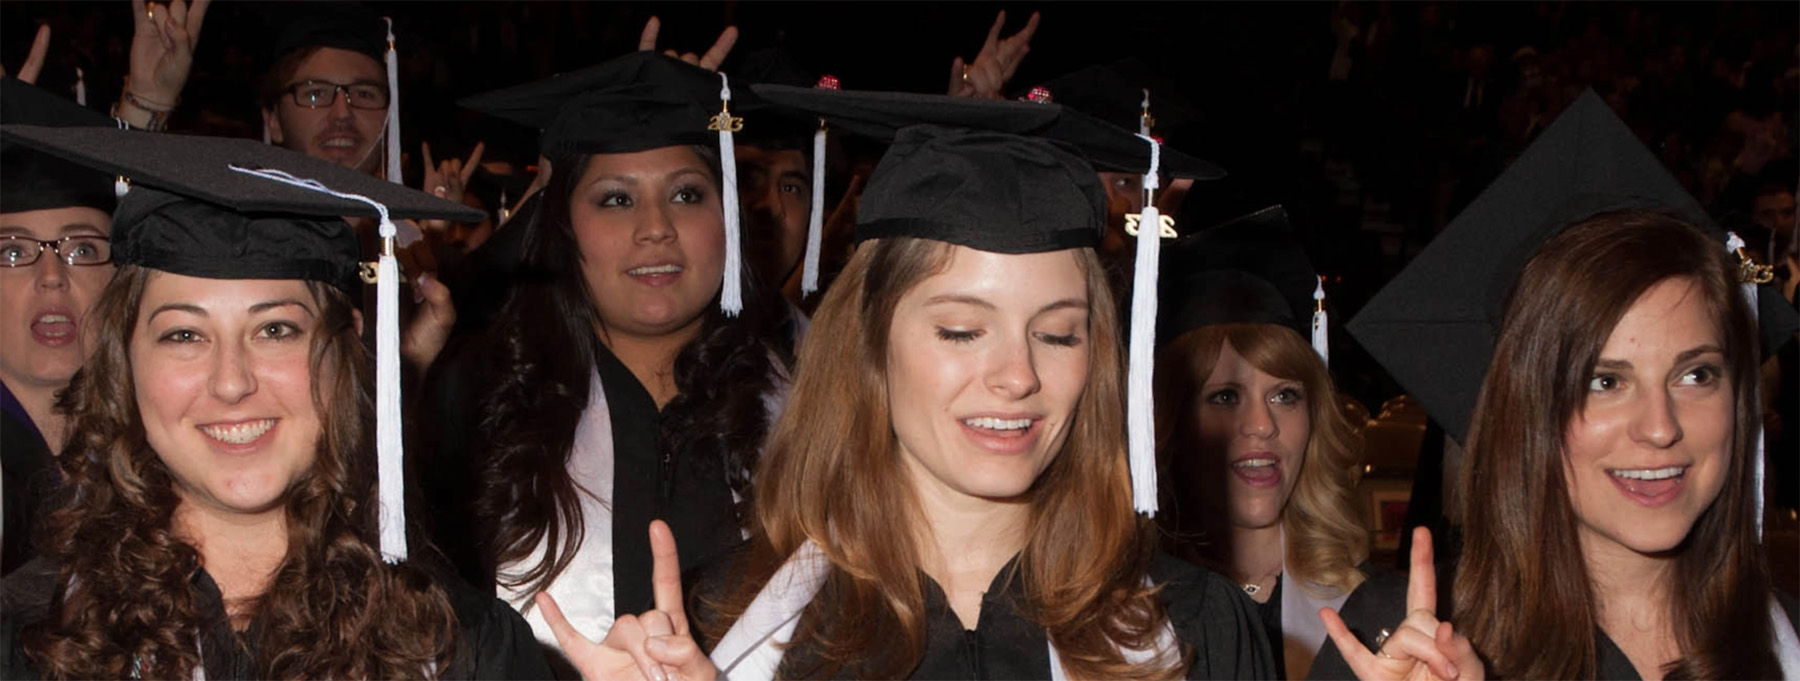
(162, 49)
(34, 60)
(709, 61)
(447, 180)
(1421, 648)
(986, 77)
(655, 645)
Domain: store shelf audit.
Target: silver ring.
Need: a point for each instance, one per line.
(1381, 638)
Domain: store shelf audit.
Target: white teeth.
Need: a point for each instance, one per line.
(1254, 463)
(241, 433)
(1650, 473)
(54, 319)
(991, 423)
(344, 143)
(659, 269)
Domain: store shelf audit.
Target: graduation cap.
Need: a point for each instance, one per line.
(1251, 270)
(1126, 93)
(340, 25)
(1433, 326)
(37, 181)
(637, 102)
(222, 208)
(1009, 177)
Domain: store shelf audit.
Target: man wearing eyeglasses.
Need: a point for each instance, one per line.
(327, 94)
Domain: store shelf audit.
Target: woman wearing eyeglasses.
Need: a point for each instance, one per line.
(54, 259)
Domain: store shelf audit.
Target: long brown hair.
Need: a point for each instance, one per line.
(125, 600)
(832, 474)
(1523, 593)
(1322, 520)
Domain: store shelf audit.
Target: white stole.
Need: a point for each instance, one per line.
(584, 590)
(752, 649)
(1787, 644)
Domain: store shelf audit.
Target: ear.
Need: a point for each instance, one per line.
(272, 126)
(357, 319)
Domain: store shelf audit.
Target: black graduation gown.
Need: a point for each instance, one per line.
(495, 642)
(694, 497)
(29, 476)
(1209, 615)
(1381, 602)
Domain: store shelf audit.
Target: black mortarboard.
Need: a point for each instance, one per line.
(343, 25)
(1008, 177)
(32, 180)
(1433, 326)
(1114, 92)
(1250, 270)
(188, 212)
(634, 102)
(776, 127)
(222, 208)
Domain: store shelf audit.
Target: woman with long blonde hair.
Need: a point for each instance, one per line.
(1261, 466)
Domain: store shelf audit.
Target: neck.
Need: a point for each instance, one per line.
(240, 551)
(1256, 553)
(1631, 599)
(966, 540)
(39, 402)
(652, 358)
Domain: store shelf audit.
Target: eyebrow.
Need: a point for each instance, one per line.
(71, 229)
(258, 308)
(796, 175)
(948, 298)
(635, 179)
(1688, 354)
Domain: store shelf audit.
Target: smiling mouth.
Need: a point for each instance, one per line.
(1649, 486)
(340, 143)
(239, 433)
(1254, 463)
(654, 270)
(995, 424)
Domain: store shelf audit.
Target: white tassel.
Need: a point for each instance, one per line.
(1735, 245)
(389, 452)
(731, 299)
(815, 225)
(1140, 414)
(1320, 339)
(1144, 119)
(80, 87)
(393, 112)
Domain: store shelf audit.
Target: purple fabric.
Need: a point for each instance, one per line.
(11, 405)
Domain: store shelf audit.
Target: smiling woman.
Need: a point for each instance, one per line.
(220, 516)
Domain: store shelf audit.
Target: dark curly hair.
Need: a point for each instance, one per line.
(534, 379)
(126, 602)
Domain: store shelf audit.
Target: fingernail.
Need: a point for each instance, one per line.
(1454, 673)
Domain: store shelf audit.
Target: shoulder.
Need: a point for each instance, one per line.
(1214, 619)
(495, 642)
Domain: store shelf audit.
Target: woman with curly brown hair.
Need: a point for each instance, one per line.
(1261, 464)
(220, 518)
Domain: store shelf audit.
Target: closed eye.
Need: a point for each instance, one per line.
(1068, 341)
(957, 335)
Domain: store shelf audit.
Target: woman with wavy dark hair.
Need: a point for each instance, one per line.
(1608, 497)
(220, 516)
(1261, 465)
(612, 389)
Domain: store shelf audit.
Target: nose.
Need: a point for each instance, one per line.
(1258, 421)
(233, 377)
(340, 104)
(657, 225)
(1012, 373)
(1656, 424)
(50, 273)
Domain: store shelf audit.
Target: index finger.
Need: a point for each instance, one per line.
(720, 48)
(1023, 37)
(34, 60)
(425, 148)
(647, 39)
(665, 575)
(993, 36)
(474, 162)
(196, 17)
(567, 637)
(1421, 582)
(140, 13)
(1352, 650)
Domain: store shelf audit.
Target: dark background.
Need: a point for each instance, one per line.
(1370, 164)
